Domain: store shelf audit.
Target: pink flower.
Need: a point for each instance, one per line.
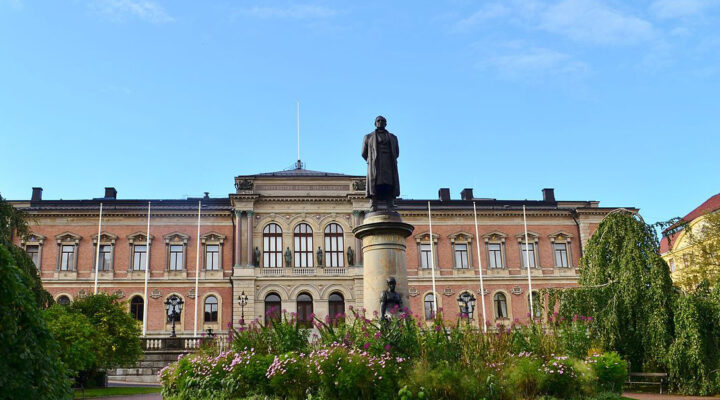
(387, 347)
(377, 335)
(366, 346)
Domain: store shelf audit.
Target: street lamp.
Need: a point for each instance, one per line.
(242, 300)
(173, 306)
(466, 302)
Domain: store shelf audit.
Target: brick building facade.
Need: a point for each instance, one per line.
(304, 217)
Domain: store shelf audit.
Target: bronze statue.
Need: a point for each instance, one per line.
(390, 301)
(380, 150)
(288, 258)
(319, 257)
(256, 257)
(350, 256)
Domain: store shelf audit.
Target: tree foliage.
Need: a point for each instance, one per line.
(694, 356)
(77, 337)
(29, 358)
(625, 285)
(118, 333)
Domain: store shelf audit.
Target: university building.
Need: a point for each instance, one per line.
(284, 239)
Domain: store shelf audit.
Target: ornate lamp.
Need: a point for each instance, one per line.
(466, 302)
(173, 306)
(242, 301)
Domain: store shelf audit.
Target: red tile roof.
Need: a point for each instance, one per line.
(711, 204)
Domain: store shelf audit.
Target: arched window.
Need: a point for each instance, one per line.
(63, 300)
(137, 307)
(334, 246)
(272, 246)
(273, 304)
(305, 310)
(211, 309)
(303, 246)
(429, 306)
(537, 306)
(337, 306)
(500, 306)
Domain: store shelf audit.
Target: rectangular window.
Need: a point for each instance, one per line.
(212, 257)
(528, 254)
(105, 253)
(176, 258)
(672, 265)
(461, 256)
(139, 256)
(67, 258)
(495, 255)
(561, 255)
(425, 254)
(33, 252)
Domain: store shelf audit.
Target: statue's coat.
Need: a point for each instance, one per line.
(369, 153)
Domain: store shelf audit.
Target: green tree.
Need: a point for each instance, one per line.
(694, 356)
(118, 333)
(625, 286)
(13, 223)
(29, 355)
(76, 336)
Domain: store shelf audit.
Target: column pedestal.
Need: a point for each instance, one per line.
(383, 247)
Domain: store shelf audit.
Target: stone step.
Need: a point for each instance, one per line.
(135, 378)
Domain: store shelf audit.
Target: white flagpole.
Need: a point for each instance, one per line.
(432, 262)
(527, 263)
(197, 270)
(482, 287)
(147, 273)
(97, 250)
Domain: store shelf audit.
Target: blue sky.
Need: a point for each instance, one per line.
(603, 100)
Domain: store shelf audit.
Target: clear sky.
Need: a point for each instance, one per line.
(613, 101)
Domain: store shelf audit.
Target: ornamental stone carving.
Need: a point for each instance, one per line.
(155, 294)
(245, 184)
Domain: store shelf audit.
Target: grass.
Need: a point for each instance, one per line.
(116, 391)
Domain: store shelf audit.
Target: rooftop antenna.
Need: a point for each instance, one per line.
(298, 165)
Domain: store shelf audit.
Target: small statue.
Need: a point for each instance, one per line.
(288, 257)
(256, 257)
(350, 256)
(390, 301)
(319, 257)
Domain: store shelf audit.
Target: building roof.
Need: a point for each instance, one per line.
(296, 172)
(710, 205)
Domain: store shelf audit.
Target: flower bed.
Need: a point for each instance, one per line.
(359, 358)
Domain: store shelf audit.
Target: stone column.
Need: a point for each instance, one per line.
(383, 247)
(250, 248)
(357, 220)
(238, 238)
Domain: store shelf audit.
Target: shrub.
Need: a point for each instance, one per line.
(525, 375)
(559, 377)
(610, 371)
(76, 337)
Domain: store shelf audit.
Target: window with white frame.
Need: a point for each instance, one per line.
(138, 243)
(106, 251)
(528, 250)
(429, 306)
(33, 251)
(176, 251)
(500, 306)
(212, 246)
(461, 246)
(67, 251)
(33, 244)
(272, 246)
(303, 238)
(561, 244)
(334, 245)
(427, 256)
(495, 249)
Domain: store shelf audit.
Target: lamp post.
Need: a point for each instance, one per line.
(466, 302)
(173, 306)
(242, 300)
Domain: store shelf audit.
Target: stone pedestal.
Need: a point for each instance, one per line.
(383, 247)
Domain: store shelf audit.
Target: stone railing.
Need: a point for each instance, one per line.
(271, 271)
(181, 343)
(328, 271)
(303, 271)
(334, 271)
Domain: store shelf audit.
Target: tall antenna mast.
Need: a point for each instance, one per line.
(298, 165)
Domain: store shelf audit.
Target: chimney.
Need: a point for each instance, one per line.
(207, 195)
(466, 194)
(548, 195)
(36, 194)
(444, 194)
(110, 193)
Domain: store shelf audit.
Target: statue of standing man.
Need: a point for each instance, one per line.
(380, 150)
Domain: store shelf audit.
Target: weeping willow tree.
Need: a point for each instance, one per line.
(625, 286)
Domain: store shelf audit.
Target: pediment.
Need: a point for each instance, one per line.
(105, 237)
(176, 237)
(212, 236)
(425, 237)
(560, 236)
(33, 238)
(68, 237)
(495, 236)
(531, 235)
(461, 236)
(139, 237)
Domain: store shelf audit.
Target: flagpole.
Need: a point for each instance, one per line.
(97, 250)
(527, 263)
(197, 270)
(432, 262)
(482, 287)
(147, 273)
